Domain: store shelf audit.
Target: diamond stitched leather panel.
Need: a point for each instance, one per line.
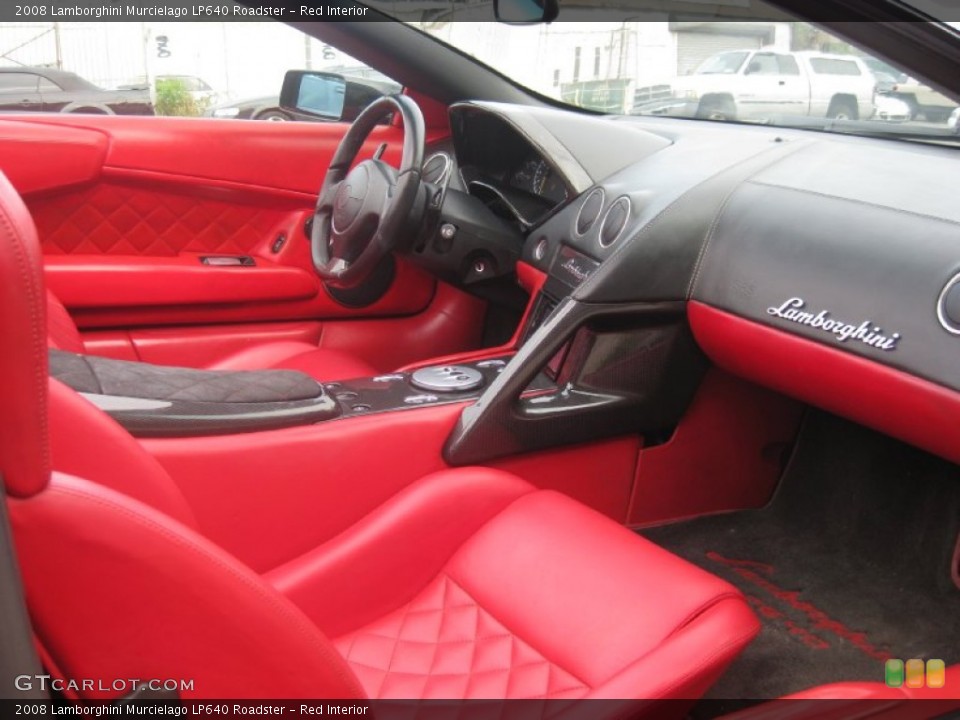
(443, 645)
(91, 374)
(118, 220)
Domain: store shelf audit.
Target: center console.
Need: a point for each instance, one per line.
(431, 385)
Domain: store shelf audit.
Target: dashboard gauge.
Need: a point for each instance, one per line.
(541, 172)
(436, 168)
(523, 176)
(553, 188)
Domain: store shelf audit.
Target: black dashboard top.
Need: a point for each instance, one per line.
(848, 241)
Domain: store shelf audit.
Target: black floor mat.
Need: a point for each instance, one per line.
(849, 565)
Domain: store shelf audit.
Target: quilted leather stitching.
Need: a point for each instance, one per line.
(118, 220)
(135, 379)
(443, 644)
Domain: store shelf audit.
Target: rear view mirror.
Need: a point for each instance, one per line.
(314, 93)
(524, 12)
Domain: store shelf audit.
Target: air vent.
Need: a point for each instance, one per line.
(948, 306)
(589, 211)
(614, 221)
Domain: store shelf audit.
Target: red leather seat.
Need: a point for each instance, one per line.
(320, 363)
(468, 584)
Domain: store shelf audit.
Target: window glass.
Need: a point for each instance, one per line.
(834, 66)
(726, 63)
(13, 83)
(788, 65)
(763, 64)
(200, 69)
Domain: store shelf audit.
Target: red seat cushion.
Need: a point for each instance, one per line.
(490, 589)
(320, 363)
(445, 644)
(482, 588)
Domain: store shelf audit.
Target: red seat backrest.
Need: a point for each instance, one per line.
(117, 582)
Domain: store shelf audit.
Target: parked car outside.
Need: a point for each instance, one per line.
(755, 84)
(923, 100)
(258, 108)
(359, 91)
(34, 89)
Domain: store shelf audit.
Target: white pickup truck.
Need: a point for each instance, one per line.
(756, 84)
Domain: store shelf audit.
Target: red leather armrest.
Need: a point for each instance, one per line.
(126, 281)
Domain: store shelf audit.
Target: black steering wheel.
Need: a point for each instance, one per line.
(360, 213)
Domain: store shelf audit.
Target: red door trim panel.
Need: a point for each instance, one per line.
(891, 401)
(36, 160)
(288, 156)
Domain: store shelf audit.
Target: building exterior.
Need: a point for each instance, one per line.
(597, 63)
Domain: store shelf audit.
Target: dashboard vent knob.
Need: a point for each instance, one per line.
(589, 211)
(948, 306)
(614, 221)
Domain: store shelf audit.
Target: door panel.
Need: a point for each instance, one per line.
(120, 217)
(126, 206)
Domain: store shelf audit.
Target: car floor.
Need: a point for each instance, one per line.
(850, 563)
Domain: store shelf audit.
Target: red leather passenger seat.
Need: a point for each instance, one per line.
(320, 363)
(468, 584)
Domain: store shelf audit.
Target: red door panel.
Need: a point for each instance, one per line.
(126, 206)
(278, 156)
(119, 216)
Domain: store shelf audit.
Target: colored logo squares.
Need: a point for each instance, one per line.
(915, 673)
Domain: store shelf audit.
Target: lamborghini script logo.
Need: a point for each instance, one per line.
(866, 332)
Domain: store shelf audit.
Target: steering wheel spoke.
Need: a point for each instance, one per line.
(359, 214)
(326, 197)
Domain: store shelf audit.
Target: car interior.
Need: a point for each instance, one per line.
(479, 397)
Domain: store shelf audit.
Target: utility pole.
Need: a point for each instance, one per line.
(56, 44)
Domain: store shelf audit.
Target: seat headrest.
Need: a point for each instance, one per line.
(24, 450)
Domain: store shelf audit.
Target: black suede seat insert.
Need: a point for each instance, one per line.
(106, 376)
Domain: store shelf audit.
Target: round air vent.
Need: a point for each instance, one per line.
(614, 221)
(589, 211)
(540, 249)
(948, 306)
(436, 167)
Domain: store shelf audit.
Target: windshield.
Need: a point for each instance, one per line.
(778, 73)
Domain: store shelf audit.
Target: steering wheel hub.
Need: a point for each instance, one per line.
(349, 198)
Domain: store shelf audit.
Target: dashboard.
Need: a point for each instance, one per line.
(498, 164)
(537, 177)
(824, 266)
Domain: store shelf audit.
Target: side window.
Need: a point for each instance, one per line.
(195, 69)
(834, 66)
(788, 65)
(763, 64)
(13, 83)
